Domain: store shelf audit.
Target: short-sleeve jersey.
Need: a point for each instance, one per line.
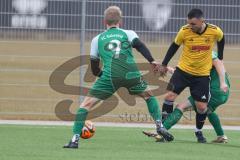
(196, 56)
(114, 48)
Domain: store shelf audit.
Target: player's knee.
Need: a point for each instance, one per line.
(170, 96)
(86, 106)
(87, 103)
(202, 109)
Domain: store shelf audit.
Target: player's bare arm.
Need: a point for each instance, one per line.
(218, 64)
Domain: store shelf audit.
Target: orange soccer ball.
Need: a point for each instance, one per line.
(88, 130)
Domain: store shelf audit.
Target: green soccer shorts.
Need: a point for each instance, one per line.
(217, 98)
(105, 87)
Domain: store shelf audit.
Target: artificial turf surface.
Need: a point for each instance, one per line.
(22, 142)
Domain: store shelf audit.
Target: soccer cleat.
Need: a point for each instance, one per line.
(200, 137)
(73, 145)
(160, 139)
(221, 139)
(154, 135)
(150, 134)
(165, 134)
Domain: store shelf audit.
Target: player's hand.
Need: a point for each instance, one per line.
(163, 70)
(155, 66)
(170, 70)
(224, 87)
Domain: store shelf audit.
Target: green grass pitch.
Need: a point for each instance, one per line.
(20, 142)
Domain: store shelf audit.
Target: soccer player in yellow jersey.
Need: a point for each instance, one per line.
(193, 69)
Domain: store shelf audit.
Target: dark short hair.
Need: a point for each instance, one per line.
(195, 13)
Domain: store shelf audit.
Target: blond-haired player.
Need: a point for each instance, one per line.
(114, 48)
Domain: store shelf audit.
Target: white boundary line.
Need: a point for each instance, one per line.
(106, 124)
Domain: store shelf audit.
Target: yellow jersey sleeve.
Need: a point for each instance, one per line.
(219, 34)
(179, 38)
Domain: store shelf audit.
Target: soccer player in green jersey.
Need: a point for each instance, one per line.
(114, 48)
(219, 89)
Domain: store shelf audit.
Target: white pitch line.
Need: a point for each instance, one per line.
(106, 124)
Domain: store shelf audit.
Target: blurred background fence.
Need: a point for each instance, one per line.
(36, 36)
(154, 19)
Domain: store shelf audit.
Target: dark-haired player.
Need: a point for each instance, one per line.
(193, 69)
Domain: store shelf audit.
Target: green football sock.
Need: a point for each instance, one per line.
(153, 108)
(173, 118)
(81, 116)
(214, 120)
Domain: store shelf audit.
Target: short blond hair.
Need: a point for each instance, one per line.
(112, 15)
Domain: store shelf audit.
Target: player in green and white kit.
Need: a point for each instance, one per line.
(219, 89)
(114, 48)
